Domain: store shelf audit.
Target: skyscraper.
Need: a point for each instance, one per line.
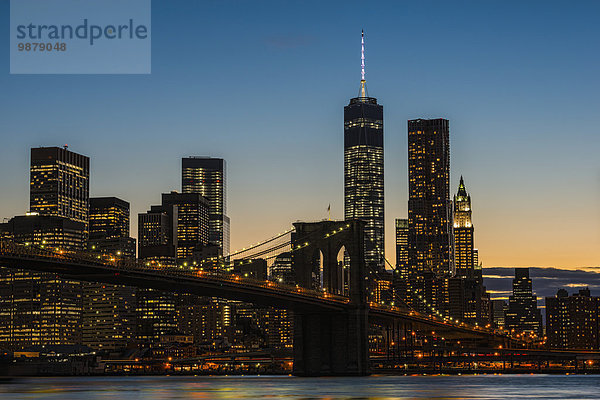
(464, 253)
(44, 309)
(280, 327)
(429, 210)
(523, 314)
(168, 234)
(207, 176)
(157, 245)
(59, 183)
(109, 310)
(109, 227)
(363, 169)
(402, 246)
(192, 214)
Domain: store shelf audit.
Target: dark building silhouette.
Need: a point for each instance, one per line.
(572, 322)
(363, 171)
(282, 269)
(429, 209)
(109, 310)
(255, 268)
(499, 308)
(59, 183)
(207, 176)
(523, 314)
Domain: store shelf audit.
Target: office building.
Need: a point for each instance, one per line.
(109, 310)
(157, 246)
(402, 246)
(282, 269)
(192, 214)
(280, 328)
(207, 176)
(523, 314)
(464, 249)
(109, 227)
(59, 183)
(363, 170)
(572, 322)
(170, 234)
(467, 298)
(37, 308)
(429, 209)
(499, 308)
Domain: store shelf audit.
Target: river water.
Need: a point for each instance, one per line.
(292, 388)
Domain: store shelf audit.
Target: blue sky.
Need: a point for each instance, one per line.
(263, 84)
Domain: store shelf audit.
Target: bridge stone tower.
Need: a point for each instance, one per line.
(328, 343)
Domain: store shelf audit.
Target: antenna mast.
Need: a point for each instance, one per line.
(363, 83)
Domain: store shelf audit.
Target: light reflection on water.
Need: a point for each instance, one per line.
(291, 388)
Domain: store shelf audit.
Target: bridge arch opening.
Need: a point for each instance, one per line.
(317, 270)
(343, 267)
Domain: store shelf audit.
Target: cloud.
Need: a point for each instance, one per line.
(546, 281)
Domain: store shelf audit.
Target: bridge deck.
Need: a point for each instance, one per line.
(108, 269)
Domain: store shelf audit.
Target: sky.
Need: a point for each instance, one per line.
(263, 85)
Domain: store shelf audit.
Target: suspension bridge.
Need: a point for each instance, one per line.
(331, 316)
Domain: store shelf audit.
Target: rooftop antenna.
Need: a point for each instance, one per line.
(363, 82)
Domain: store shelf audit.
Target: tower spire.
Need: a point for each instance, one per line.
(363, 82)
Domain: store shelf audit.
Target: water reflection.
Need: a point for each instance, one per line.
(291, 388)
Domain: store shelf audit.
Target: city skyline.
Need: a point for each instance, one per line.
(512, 228)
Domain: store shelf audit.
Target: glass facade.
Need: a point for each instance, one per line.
(363, 174)
(402, 247)
(207, 176)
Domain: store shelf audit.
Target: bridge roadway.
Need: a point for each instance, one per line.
(90, 267)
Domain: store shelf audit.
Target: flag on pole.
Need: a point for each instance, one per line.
(329, 211)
